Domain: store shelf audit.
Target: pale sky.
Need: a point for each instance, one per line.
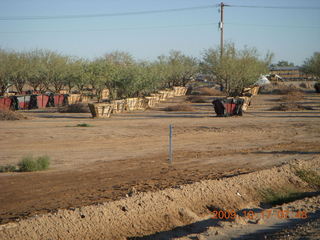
(291, 34)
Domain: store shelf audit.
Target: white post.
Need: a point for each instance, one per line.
(170, 145)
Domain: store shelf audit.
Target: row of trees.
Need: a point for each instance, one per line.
(44, 70)
(124, 76)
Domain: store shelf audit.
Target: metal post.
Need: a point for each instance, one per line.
(170, 145)
(221, 28)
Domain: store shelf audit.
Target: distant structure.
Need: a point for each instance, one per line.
(289, 73)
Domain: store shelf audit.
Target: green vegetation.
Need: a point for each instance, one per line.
(275, 197)
(28, 164)
(309, 176)
(124, 76)
(278, 197)
(236, 69)
(283, 63)
(8, 168)
(80, 125)
(83, 125)
(312, 65)
(31, 164)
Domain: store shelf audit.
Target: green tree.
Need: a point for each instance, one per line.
(283, 63)
(19, 70)
(57, 71)
(312, 65)
(179, 67)
(236, 69)
(95, 73)
(5, 80)
(119, 71)
(37, 77)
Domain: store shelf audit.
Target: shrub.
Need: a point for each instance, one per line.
(309, 176)
(31, 164)
(75, 108)
(8, 168)
(278, 197)
(43, 162)
(83, 125)
(179, 108)
(27, 164)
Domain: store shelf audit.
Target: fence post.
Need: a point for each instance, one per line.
(170, 145)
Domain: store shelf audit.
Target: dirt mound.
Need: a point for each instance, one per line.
(292, 96)
(196, 99)
(293, 106)
(147, 213)
(307, 85)
(210, 92)
(207, 91)
(179, 108)
(281, 89)
(10, 115)
(75, 108)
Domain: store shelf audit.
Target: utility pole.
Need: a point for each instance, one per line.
(222, 5)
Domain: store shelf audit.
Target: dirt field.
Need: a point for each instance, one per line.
(186, 212)
(103, 162)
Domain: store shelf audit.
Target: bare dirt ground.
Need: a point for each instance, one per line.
(103, 162)
(272, 227)
(185, 212)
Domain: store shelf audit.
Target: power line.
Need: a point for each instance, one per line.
(275, 26)
(275, 7)
(156, 27)
(113, 29)
(104, 14)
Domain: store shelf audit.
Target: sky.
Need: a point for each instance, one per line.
(291, 34)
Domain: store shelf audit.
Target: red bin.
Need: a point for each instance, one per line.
(58, 100)
(5, 103)
(42, 101)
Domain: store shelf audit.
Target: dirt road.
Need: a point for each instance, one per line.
(103, 162)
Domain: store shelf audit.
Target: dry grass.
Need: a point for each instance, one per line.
(10, 115)
(179, 108)
(210, 92)
(196, 99)
(75, 108)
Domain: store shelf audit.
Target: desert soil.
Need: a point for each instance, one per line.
(104, 162)
(185, 212)
(263, 227)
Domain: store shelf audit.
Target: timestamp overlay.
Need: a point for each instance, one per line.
(263, 214)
